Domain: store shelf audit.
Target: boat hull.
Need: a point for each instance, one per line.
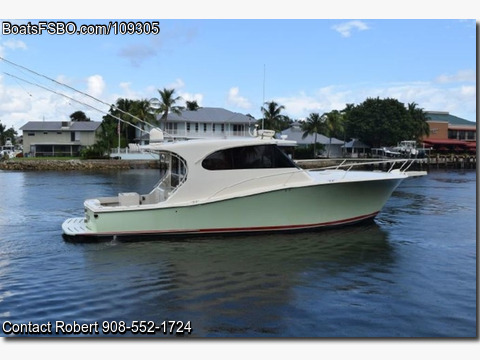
(289, 209)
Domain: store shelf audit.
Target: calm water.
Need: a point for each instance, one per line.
(411, 274)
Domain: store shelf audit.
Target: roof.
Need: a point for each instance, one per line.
(211, 115)
(57, 126)
(448, 142)
(357, 144)
(447, 117)
(295, 133)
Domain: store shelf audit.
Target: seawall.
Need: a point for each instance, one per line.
(76, 164)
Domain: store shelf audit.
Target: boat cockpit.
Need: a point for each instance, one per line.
(173, 174)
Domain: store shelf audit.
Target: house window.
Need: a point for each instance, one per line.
(213, 127)
(31, 134)
(196, 127)
(223, 128)
(45, 133)
(188, 127)
(75, 136)
(204, 127)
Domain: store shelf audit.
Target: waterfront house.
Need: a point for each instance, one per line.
(295, 133)
(208, 122)
(450, 133)
(355, 148)
(58, 138)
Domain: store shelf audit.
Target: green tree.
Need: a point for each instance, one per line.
(2, 130)
(418, 120)
(379, 122)
(313, 125)
(143, 111)
(79, 116)
(105, 139)
(5, 134)
(192, 105)
(165, 104)
(333, 126)
(272, 117)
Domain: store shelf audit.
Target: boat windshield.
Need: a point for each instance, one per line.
(248, 157)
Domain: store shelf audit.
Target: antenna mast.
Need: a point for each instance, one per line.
(263, 102)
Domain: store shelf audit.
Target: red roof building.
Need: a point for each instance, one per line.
(450, 133)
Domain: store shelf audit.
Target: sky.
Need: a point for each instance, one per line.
(306, 65)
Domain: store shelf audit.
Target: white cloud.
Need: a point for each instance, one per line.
(235, 99)
(192, 97)
(177, 84)
(460, 76)
(345, 29)
(323, 100)
(11, 45)
(14, 44)
(95, 85)
(458, 100)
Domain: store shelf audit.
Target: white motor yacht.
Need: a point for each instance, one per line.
(236, 186)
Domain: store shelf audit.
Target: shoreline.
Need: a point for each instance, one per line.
(32, 164)
(76, 164)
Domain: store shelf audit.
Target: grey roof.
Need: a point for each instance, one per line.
(211, 115)
(57, 126)
(447, 117)
(357, 144)
(295, 133)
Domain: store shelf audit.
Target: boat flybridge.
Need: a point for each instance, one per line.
(236, 186)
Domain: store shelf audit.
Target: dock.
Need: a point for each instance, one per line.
(420, 164)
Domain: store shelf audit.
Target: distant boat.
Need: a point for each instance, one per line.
(236, 186)
(8, 150)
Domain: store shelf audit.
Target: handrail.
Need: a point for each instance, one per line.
(343, 164)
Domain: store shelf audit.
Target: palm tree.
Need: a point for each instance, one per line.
(123, 109)
(272, 118)
(419, 119)
(314, 125)
(192, 105)
(333, 126)
(143, 111)
(166, 104)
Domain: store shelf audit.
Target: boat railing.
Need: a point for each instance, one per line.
(402, 164)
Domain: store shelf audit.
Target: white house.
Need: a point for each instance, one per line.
(58, 138)
(208, 122)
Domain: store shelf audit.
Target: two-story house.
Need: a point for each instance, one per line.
(207, 122)
(58, 138)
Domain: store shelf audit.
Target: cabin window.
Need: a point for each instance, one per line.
(248, 157)
(173, 171)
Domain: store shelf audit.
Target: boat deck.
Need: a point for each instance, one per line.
(74, 226)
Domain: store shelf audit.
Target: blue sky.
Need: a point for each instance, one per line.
(306, 65)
